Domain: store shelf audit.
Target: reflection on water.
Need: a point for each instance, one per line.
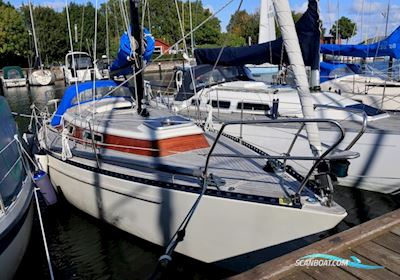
(82, 247)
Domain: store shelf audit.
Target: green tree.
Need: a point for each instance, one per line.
(345, 28)
(13, 33)
(50, 32)
(232, 40)
(244, 25)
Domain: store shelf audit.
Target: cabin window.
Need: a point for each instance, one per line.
(369, 110)
(70, 129)
(195, 102)
(97, 136)
(208, 79)
(220, 104)
(82, 61)
(253, 106)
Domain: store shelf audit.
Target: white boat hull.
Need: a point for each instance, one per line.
(221, 228)
(8, 83)
(41, 78)
(375, 170)
(15, 232)
(372, 91)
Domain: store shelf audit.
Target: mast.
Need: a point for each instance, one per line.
(37, 59)
(390, 66)
(107, 36)
(267, 22)
(292, 46)
(136, 32)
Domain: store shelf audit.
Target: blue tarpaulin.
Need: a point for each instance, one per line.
(123, 60)
(388, 47)
(308, 31)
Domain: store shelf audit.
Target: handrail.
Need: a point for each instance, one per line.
(302, 121)
(351, 110)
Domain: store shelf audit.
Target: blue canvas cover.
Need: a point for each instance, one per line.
(387, 47)
(123, 61)
(71, 92)
(308, 30)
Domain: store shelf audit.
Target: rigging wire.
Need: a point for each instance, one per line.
(170, 48)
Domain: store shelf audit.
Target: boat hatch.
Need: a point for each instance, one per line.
(168, 122)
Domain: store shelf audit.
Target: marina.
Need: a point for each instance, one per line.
(190, 141)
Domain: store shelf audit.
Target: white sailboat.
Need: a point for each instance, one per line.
(372, 88)
(40, 76)
(144, 170)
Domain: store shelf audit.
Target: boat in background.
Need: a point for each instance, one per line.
(16, 192)
(41, 77)
(228, 92)
(372, 88)
(78, 68)
(13, 76)
(369, 86)
(38, 76)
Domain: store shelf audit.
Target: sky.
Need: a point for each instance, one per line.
(373, 18)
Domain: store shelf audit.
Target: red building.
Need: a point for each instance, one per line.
(161, 47)
(329, 39)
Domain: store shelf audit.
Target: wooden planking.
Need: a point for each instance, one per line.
(396, 230)
(328, 273)
(380, 255)
(285, 265)
(390, 241)
(367, 274)
(299, 275)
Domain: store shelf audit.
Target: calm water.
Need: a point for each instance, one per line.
(82, 247)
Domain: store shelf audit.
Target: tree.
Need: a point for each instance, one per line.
(344, 27)
(50, 32)
(244, 25)
(232, 40)
(13, 34)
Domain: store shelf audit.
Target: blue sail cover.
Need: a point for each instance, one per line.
(71, 92)
(388, 47)
(123, 61)
(308, 31)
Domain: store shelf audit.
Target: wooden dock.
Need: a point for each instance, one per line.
(376, 242)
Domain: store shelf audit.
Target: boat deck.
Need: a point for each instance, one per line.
(240, 175)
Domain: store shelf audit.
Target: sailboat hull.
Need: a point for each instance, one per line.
(221, 227)
(375, 170)
(41, 78)
(369, 90)
(15, 232)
